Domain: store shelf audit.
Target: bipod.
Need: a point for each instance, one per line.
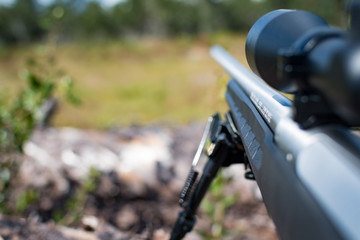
(222, 146)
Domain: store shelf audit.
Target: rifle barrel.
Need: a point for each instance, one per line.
(271, 104)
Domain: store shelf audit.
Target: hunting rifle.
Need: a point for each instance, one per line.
(303, 153)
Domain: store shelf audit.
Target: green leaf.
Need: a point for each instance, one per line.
(208, 207)
(33, 81)
(229, 200)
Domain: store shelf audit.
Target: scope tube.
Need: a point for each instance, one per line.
(297, 51)
(275, 31)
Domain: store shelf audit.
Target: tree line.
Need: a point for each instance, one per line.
(27, 21)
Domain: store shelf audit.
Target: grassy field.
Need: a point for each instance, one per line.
(140, 81)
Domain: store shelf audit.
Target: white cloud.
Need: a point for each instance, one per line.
(104, 3)
(6, 2)
(45, 2)
(109, 3)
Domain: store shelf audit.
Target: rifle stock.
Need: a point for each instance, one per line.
(291, 185)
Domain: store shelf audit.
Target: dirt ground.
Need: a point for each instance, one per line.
(140, 173)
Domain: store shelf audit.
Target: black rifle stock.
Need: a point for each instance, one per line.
(303, 154)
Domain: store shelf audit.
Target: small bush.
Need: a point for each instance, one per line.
(19, 117)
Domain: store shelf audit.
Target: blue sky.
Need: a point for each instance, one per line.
(104, 3)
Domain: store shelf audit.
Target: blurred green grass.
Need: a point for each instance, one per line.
(137, 81)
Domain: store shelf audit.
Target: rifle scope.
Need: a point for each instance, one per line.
(297, 51)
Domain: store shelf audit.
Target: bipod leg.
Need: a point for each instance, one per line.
(218, 152)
